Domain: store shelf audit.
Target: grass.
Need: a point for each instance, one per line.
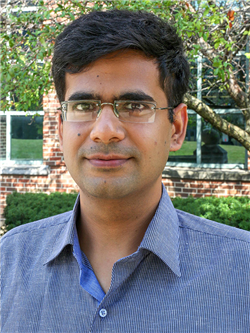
(33, 150)
(26, 149)
(187, 148)
(235, 154)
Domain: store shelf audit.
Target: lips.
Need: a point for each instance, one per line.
(107, 161)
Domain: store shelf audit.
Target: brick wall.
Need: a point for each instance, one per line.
(57, 178)
(200, 188)
(2, 137)
(52, 155)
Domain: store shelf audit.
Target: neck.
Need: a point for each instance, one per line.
(109, 230)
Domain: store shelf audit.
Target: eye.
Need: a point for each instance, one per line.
(135, 109)
(84, 106)
(134, 106)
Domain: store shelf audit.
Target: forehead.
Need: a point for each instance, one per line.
(117, 72)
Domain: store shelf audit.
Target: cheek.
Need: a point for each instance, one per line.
(155, 147)
(161, 145)
(74, 134)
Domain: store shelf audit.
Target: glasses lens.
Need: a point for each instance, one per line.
(82, 110)
(135, 111)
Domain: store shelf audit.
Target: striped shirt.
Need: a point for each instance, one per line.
(188, 275)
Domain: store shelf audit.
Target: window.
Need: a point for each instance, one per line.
(205, 146)
(21, 132)
(21, 137)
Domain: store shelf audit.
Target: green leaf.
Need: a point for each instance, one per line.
(71, 16)
(216, 45)
(206, 11)
(205, 36)
(222, 75)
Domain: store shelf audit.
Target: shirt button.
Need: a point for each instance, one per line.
(103, 313)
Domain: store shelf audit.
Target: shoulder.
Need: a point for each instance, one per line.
(42, 230)
(214, 247)
(29, 246)
(213, 229)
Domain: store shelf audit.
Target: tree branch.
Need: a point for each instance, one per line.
(218, 122)
(235, 91)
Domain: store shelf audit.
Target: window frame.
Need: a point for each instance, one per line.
(199, 164)
(8, 160)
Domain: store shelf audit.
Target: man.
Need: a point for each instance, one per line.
(124, 260)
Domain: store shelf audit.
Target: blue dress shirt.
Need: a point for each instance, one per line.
(188, 275)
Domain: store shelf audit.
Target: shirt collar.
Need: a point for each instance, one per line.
(161, 237)
(162, 234)
(66, 236)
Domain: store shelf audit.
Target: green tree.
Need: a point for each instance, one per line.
(216, 29)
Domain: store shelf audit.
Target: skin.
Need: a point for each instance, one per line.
(118, 165)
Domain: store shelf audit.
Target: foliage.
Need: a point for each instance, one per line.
(233, 211)
(27, 207)
(23, 208)
(216, 29)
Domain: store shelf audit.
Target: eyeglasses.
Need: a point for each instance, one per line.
(126, 111)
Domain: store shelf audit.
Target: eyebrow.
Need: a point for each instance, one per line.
(137, 95)
(77, 96)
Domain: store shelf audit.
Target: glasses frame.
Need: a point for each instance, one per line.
(100, 105)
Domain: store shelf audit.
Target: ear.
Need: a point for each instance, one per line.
(179, 127)
(60, 129)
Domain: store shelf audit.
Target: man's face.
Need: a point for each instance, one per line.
(108, 158)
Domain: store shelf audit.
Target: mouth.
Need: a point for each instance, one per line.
(107, 161)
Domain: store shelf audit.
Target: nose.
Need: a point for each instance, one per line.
(107, 128)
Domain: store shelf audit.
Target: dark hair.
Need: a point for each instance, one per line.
(99, 33)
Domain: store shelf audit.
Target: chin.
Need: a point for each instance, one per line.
(108, 189)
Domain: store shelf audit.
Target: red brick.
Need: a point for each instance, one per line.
(18, 185)
(226, 186)
(175, 189)
(216, 182)
(200, 181)
(210, 186)
(177, 184)
(9, 179)
(196, 186)
(187, 190)
(204, 191)
(6, 184)
(24, 180)
(242, 187)
(10, 189)
(233, 192)
(218, 191)
(245, 192)
(183, 195)
(185, 180)
(197, 195)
